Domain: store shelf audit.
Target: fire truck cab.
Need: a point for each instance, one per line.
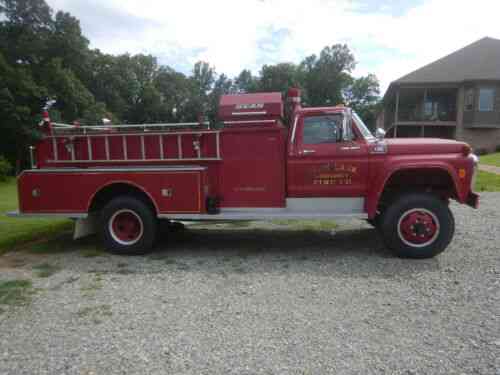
(253, 164)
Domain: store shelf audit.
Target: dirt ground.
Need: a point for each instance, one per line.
(258, 299)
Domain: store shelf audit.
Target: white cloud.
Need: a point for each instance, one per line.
(230, 34)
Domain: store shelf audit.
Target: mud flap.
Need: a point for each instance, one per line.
(85, 227)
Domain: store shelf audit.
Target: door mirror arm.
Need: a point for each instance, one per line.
(346, 135)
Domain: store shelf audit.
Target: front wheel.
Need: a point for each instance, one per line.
(128, 226)
(418, 225)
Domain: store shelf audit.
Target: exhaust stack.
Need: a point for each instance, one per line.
(293, 99)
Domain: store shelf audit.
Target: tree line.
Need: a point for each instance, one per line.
(45, 55)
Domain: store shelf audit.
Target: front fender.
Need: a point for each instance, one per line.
(389, 168)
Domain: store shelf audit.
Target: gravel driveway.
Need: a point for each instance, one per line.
(260, 300)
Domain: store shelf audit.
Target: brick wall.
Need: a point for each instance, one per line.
(487, 139)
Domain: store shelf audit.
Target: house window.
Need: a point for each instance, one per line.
(486, 99)
(469, 100)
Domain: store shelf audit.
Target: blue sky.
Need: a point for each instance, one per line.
(389, 38)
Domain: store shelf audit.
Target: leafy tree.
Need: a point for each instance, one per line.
(363, 95)
(25, 30)
(73, 98)
(201, 83)
(245, 82)
(19, 93)
(203, 77)
(42, 55)
(223, 85)
(325, 76)
(95, 113)
(109, 82)
(33, 14)
(278, 77)
(175, 90)
(68, 44)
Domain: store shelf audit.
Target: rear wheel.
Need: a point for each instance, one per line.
(128, 226)
(417, 225)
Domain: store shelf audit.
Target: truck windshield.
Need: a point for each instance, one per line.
(362, 127)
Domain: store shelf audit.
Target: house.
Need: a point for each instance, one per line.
(455, 97)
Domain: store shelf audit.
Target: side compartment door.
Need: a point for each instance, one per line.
(321, 164)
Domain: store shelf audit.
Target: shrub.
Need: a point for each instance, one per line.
(5, 168)
(497, 149)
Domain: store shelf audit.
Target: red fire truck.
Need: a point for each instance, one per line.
(323, 163)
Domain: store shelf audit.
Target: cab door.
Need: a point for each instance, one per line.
(321, 163)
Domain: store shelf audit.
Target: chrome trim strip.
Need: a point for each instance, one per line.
(119, 169)
(70, 215)
(129, 160)
(125, 156)
(248, 122)
(143, 149)
(162, 155)
(54, 148)
(179, 146)
(217, 144)
(194, 132)
(249, 113)
(106, 147)
(89, 148)
(32, 157)
(294, 128)
(108, 127)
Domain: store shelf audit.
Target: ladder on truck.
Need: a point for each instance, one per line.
(132, 143)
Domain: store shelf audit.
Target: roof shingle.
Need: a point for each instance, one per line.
(477, 61)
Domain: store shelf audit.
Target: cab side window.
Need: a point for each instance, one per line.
(322, 129)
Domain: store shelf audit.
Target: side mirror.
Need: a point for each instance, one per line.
(347, 126)
(48, 104)
(380, 133)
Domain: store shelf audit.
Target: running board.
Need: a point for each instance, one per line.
(245, 215)
(296, 209)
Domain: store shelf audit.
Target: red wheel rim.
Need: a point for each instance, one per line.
(126, 227)
(418, 227)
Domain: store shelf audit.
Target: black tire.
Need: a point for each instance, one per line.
(143, 234)
(434, 209)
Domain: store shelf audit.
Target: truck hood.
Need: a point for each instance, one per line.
(401, 146)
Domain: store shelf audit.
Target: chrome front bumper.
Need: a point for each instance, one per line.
(473, 198)
(475, 160)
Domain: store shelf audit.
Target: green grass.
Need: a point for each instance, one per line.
(17, 231)
(491, 159)
(487, 181)
(15, 292)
